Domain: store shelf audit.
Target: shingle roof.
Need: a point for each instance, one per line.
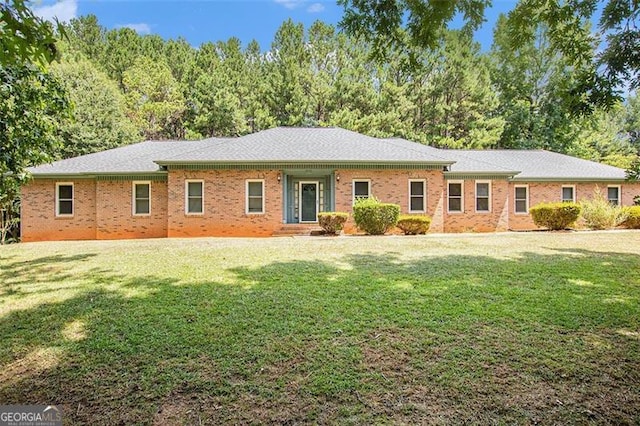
(535, 164)
(297, 144)
(291, 144)
(135, 158)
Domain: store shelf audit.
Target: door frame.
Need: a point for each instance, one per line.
(308, 182)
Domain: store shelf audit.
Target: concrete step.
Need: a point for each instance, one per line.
(294, 229)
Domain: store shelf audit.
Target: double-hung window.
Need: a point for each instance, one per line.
(568, 194)
(613, 195)
(64, 199)
(521, 199)
(361, 189)
(194, 197)
(483, 196)
(455, 194)
(255, 196)
(417, 195)
(141, 198)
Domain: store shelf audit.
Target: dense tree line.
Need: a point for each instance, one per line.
(129, 87)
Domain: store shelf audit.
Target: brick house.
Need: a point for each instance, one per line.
(276, 181)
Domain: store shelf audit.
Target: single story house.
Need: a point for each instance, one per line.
(276, 181)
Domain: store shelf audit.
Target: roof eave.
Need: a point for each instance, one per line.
(93, 175)
(244, 162)
(568, 179)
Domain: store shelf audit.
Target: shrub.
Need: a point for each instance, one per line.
(414, 224)
(374, 217)
(332, 222)
(555, 216)
(632, 220)
(599, 213)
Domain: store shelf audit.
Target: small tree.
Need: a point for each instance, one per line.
(374, 217)
(555, 216)
(599, 213)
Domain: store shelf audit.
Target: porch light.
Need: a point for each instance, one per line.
(337, 178)
(279, 177)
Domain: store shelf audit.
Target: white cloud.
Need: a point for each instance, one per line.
(140, 28)
(63, 10)
(290, 4)
(315, 8)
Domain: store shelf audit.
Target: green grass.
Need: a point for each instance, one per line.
(498, 328)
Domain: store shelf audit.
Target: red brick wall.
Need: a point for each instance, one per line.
(224, 204)
(391, 186)
(551, 192)
(38, 218)
(114, 215)
(470, 220)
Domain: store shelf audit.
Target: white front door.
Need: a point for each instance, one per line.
(308, 202)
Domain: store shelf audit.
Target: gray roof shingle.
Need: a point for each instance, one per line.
(535, 164)
(298, 144)
(292, 144)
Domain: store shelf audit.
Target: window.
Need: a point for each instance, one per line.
(64, 199)
(361, 189)
(194, 202)
(255, 196)
(568, 194)
(417, 195)
(141, 198)
(522, 199)
(456, 199)
(483, 196)
(613, 195)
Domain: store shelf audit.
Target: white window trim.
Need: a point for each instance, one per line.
(488, 182)
(353, 188)
(573, 187)
(246, 198)
(619, 193)
(186, 197)
(526, 200)
(461, 182)
(133, 197)
(73, 199)
(424, 195)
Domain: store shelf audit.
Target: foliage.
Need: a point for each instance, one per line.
(99, 119)
(632, 220)
(32, 105)
(9, 217)
(154, 99)
(555, 216)
(374, 217)
(24, 37)
(332, 222)
(400, 25)
(636, 200)
(414, 224)
(599, 213)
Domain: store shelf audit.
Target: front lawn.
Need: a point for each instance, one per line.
(496, 328)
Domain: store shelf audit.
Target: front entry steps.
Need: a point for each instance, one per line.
(296, 229)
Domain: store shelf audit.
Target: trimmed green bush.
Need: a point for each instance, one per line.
(555, 216)
(374, 217)
(414, 224)
(599, 213)
(332, 222)
(633, 217)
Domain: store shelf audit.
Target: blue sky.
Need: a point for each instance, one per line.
(199, 21)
